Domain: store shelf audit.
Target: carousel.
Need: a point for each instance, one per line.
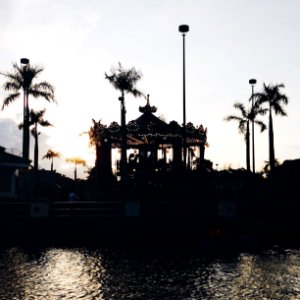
(152, 146)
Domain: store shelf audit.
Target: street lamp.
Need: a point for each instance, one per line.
(184, 29)
(25, 62)
(123, 162)
(253, 82)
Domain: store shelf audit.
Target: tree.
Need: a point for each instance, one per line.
(124, 81)
(50, 155)
(256, 110)
(267, 169)
(244, 121)
(22, 78)
(275, 99)
(76, 161)
(36, 118)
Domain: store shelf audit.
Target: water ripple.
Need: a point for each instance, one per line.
(71, 273)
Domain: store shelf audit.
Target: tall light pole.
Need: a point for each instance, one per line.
(25, 63)
(123, 162)
(184, 29)
(253, 82)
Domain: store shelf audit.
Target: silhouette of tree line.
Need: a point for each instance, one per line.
(272, 97)
(23, 78)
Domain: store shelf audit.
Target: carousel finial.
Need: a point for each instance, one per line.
(147, 107)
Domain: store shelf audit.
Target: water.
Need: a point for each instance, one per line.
(81, 273)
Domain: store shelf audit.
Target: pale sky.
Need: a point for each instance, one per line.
(229, 42)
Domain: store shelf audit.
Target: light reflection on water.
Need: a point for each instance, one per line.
(71, 273)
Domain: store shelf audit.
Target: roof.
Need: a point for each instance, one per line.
(148, 128)
(147, 122)
(11, 160)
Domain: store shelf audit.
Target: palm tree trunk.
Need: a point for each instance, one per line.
(26, 136)
(248, 147)
(36, 148)
(36, 152)
(75, 173)
(271, 141)
(52, 164)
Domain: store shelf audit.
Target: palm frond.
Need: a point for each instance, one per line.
(125, 80)
(21, 78)
(262, 125)
(261, 111)
(242, 119)
(242, 126)
(45, 123)
(34, 132)
(137, 93)
(240, 106)
(278, 109)
(260, 98)
(76, 160)
(282, 98)
(44, 86)
(232, 118)
(9, 99)
(12, 86)
(272, 95)
(50, 154)
(43, 94)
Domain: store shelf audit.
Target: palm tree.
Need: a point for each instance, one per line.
(256, 110)
(267, 167)
(22, 78)
(76, 161)
(244, 125)
(35, 119)
(50, 155)
(275, 99)
(124, 81)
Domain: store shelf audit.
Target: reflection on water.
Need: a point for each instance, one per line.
(69, 273)
(51, 274)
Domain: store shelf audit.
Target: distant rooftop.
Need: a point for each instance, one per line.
(8, 159)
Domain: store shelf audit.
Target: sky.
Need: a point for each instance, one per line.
(229, 42)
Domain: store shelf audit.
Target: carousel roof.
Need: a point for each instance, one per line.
(148, 122)
(148, 128)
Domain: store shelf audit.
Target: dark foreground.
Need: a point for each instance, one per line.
(194, 224)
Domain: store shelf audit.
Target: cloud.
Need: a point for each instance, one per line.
(10, 136)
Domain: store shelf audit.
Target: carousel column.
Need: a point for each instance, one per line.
(202, 153)
(177, 157)
(107, 167)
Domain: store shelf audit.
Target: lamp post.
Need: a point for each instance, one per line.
(25, 63)
(184, 29)
(253, 82)
(123, 162)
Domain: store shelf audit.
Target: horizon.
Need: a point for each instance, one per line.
(77, 42)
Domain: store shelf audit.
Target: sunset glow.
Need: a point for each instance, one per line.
(78, 41)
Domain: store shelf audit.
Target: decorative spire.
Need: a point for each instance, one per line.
(147, 107)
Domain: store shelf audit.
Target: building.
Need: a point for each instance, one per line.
(10, 167)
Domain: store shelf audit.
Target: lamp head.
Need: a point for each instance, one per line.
(252, 81)
(183, 28)
(24, 61)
